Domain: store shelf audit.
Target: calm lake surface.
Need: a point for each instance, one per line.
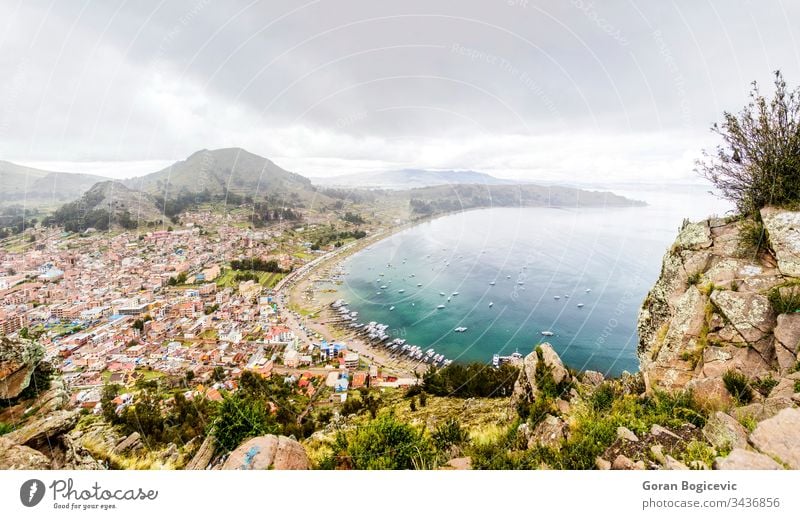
(605, 259)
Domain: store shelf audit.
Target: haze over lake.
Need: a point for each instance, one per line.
(542, 261)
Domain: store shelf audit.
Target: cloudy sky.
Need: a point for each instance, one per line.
(567, 89)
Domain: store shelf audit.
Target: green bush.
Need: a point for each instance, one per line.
(758, 163)
(764, 385)
(240, 416)
(603, 396)
(470, 380)
(382, 444)
(694, 278)
(797, 386)
(5, 428)
(738, 386)
(449, 434)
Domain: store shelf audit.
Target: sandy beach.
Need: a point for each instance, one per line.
(309, 292)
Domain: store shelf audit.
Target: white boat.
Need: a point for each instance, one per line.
(391, 308)
(401, 290)
(448, 299)
(556, 297)
(520, 282)
(588, 290)
(566, 296)
(508, 277)
(384, 287)
(378, 293)
(441, 293)
(455, 293)
(580, 305)
(419, 284)
(440, 307)
(491, 304)
(547, 333)
(491, 283)
(461, 329)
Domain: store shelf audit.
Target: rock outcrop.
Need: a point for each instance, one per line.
(18, 360)
(527, 385)
(44, 432)
(268, 452)
(202, 458)
(712, 309)
(779, 437)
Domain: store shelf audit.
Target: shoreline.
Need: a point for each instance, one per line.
(304, 295)
(298, 291)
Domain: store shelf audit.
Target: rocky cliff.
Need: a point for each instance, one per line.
(717, 308)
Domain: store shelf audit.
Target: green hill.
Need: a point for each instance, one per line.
(223, 171)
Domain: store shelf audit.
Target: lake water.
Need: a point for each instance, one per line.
(605, 259)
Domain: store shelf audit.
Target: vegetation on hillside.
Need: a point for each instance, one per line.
(470, 380)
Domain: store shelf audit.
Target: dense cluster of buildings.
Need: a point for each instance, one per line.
(107, 309)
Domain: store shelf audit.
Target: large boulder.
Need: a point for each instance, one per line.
(779, 437)
(724, 432)
(740, 459)
(18, 359)
(268, 452)
(550, 432)
(783, 232)
(526, 387)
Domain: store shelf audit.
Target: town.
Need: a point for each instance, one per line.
(117, 308)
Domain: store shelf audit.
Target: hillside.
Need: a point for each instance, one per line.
(36, 186)
(217, 172)
(409, 179)
(105, 204)
(438, 199)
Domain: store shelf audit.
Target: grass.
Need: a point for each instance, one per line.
(748, 422)
(797, 386)
(697, 451)
(738, 386)
(5, 428)
(593, 428)
(694, 278)
(764, 385)
(785, 299)
(752, 238)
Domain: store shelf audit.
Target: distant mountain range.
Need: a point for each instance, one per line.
(38, 187)
(410, 178)
(234, 175)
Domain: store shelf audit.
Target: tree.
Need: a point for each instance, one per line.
(758, 163)
(109, 408)
(189, 376)
(218, 375)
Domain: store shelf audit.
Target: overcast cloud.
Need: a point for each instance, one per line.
(549, 90)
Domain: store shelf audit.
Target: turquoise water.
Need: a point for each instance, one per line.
(532, 255)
